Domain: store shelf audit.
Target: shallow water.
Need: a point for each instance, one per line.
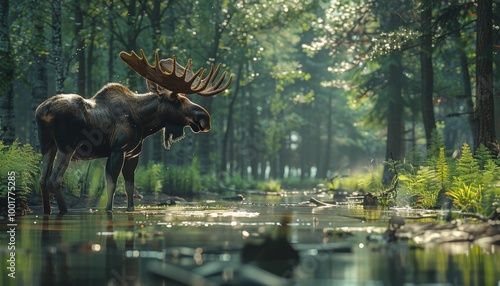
(201, 243)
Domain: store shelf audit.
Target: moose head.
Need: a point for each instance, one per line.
(115, 122)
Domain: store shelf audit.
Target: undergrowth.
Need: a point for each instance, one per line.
(470, 181)
(21, 164)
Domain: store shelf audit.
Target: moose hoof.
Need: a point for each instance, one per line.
(109, 211)
(130, 209)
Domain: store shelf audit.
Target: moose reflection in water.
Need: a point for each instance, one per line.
(55, 263)
(123, 271)
(58, 263)
(115, 122)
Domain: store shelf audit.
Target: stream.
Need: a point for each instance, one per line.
(200, 243)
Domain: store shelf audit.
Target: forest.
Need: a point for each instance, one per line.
(322, 88)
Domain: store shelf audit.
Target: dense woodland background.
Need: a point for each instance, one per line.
(322, 88)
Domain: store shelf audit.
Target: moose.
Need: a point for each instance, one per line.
(115, 122)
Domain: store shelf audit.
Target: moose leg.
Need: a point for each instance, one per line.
(60, 165)
(128, 172)
(47, 163)
(113, 167)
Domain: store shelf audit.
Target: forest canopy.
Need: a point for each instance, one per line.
(321, 88)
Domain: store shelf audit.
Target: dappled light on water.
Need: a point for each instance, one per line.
(268, 240)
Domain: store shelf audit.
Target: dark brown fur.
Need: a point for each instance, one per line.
(113, 124)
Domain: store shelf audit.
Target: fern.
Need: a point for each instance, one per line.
(442, 170)
(467, 166)
(436, 144)
(468, 197)
(24, 162)
(482, 155)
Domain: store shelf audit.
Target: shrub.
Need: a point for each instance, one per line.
(467, 197)
(171, 180)
(150, 178)
(270, 186)
(475, 183)
(182, 181)
(24, 162)
(85, 178)
(470, 181)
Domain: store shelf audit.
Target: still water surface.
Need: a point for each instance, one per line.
(203, 240)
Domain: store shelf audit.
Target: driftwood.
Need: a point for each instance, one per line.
(321, 203)
(494, 216)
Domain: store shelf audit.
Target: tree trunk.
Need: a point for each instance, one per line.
(467, 87)
(111, 44)
(155, 18)
(329, 137)
(130, 40)
(253, 135)
(39, 69)
(80, 48)
(484, 73)
(229, 126)
(91, 60)
(427, 74)
(395, 125)
(57, 56)
(206, 141)
(7, 69)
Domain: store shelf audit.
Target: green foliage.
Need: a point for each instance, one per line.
(150, 178)
(483, 156)
(237, 182)
(467, 166)
(467, 197)
(371, 182)
(475, 185)
(297, 183)
(24, 162)
(422, 186)
(171, 180)
(442, 169)
(181, 181)
(471, 181)
(85, 177)
(437, 143)
(270, 186)
(415, 158)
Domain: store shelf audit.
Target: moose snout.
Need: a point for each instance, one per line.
(201, 122)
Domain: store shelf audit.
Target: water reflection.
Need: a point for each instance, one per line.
(55, 263)
(96, 248)
(121, 269)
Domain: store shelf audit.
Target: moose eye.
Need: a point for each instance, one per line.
(176, 101)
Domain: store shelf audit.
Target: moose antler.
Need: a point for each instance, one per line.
(168, 74)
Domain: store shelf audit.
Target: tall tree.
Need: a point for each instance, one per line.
(484, 113)
(395, 125)
(57, 52)
(80, 46)
(7, 70)
(111, 41)
(39, 67)
(156, 12)
(229, 126)
(427, 71)
(395, 78)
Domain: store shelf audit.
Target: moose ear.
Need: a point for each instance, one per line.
(154, 88)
